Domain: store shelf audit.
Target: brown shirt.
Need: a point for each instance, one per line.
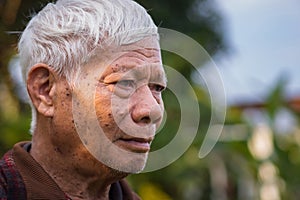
(39, 185)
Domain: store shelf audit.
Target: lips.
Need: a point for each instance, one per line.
(133, 144)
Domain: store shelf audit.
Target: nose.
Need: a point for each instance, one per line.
(146, 109)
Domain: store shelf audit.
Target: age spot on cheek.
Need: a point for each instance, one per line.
(57, 149)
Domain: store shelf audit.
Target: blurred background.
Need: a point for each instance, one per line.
(255, 45)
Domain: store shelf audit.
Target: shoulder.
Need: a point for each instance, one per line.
(6, 163)
(11, 182)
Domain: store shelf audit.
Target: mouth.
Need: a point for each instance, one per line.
(137, 145)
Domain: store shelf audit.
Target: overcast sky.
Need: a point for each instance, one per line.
(265, 40)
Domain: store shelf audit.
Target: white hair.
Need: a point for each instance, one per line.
(65, 34)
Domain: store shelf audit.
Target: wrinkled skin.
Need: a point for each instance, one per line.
(128, 109)
(129, 105)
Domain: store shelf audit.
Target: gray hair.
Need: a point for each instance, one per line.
(65, 34)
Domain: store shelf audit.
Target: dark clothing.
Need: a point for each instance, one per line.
(21, 177)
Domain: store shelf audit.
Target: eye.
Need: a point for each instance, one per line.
(156, 87)
(126, 83)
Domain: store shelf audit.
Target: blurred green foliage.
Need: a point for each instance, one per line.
(231, 170)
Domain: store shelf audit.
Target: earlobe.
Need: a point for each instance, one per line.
(40, 86)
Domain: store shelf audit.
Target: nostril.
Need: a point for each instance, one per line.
(145, 120)
(141, 116)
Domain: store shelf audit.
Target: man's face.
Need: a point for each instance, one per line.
(128, 106)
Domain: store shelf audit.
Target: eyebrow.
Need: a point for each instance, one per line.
(138, 72)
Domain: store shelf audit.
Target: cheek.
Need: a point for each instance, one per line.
(104, 112)
(102, 107)
(162, 107)
(102, 100)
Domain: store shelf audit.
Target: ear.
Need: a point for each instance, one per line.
(41, 87)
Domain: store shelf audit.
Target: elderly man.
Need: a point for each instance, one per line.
(94, 75)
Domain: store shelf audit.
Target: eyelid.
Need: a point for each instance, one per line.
(112, 78)
(154, 86)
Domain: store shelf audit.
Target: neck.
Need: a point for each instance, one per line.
(72, 167)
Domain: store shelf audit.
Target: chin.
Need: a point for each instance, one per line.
(130, 165)
(137, 165)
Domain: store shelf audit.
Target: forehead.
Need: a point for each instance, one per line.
(112, 60)
(139, 64)
(135, 58)
(143, 54)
